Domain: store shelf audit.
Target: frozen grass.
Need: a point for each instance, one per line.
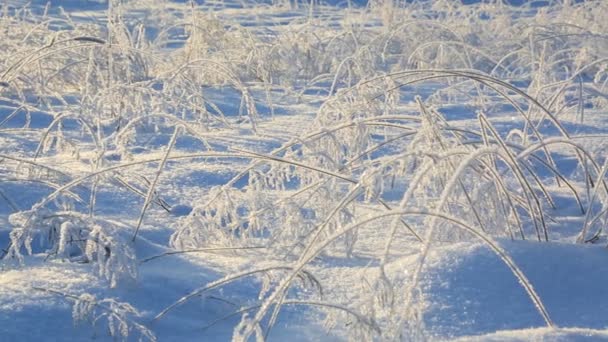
(376, 135)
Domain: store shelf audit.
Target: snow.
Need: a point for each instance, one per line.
(303, 171)
(464, 292)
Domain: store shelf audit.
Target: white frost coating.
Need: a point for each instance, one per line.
(180, 170)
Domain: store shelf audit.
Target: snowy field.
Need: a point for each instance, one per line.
(303, 171)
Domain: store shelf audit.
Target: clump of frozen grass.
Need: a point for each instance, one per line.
(72, 236)
(106, 315)
(112, 316)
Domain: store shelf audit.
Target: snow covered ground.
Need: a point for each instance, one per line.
(382, 170)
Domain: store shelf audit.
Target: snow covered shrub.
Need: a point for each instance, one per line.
(75, 237)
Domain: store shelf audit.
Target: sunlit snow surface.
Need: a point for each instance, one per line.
(181, 118)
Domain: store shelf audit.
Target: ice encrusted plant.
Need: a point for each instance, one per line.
(118, 319)
(76, 237)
